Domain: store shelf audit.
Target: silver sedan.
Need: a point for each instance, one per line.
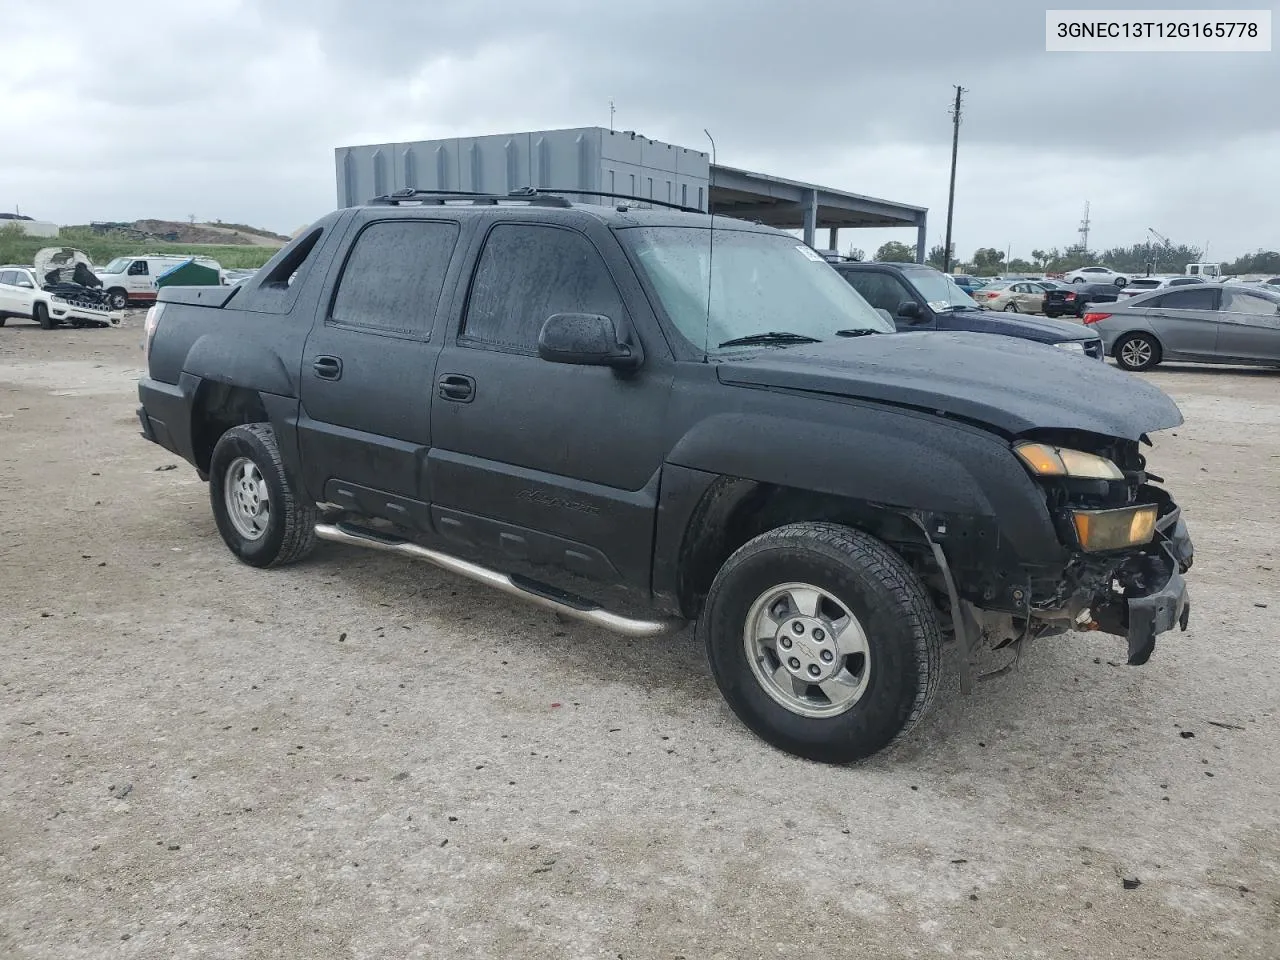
(1204, 323)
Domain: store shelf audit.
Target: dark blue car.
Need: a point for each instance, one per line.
(918, 297)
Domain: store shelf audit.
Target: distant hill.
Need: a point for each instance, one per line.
(189, 234)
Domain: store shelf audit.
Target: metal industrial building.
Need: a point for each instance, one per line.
(624, 162)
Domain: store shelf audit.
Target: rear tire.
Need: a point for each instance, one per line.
(1137, 351)
(40, 314)
(1122, 282)
(1011, 308)
(806, 579)
(260, 511)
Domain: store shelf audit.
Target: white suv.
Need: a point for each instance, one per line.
(22, 296)
(1097, 275)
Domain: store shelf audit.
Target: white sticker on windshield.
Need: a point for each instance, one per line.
(809, 252)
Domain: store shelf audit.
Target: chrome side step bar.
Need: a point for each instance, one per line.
(515, 587)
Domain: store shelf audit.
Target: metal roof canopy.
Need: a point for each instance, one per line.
(793, 205)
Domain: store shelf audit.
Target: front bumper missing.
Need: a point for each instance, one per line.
(1153, 596)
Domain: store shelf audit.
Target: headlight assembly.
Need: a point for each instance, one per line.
(1046, 460)
(1075, 346)
(1114, 529)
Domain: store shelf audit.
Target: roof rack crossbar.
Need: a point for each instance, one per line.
(616, 196)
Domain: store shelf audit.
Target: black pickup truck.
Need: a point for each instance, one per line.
(638, 419)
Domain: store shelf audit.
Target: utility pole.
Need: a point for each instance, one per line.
(611, 113)
(1084, 232)
(951, 194)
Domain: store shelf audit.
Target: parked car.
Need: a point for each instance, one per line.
(967, 283)
(1074, 300)
(1147, 284)
(40, 294)
(1204, 323)
(919, 298)
(1012, 296)
(1097, 275)
(833, 499)
(133, 279)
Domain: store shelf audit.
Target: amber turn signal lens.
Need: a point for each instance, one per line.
(1099, 530)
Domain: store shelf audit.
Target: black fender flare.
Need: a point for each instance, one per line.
(216, 358)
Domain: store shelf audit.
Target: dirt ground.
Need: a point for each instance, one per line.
(360, 757)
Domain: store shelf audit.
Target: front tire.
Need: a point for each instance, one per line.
(822, 640)
(260, 511)
(40, 314)
(117, 299)
(1137, 352)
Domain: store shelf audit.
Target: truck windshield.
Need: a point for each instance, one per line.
(117, 265)
(759, 283)
(938, 289)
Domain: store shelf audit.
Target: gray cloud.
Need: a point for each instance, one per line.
(232, 109)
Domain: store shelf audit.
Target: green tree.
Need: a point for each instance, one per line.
(938, 255)
(1039, 258)
(988, 260)
(895, 252)
(1261, 261)
(1018, 265)
(856, 254)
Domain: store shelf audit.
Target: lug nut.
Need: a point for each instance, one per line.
(819, 635)
(798, 627)
(813, 670)
(785, 643)
(793, 663)
(827, 656)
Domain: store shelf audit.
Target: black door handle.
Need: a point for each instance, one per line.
(456, 387)
(327, 368)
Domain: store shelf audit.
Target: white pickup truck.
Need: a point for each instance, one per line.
(59, 288)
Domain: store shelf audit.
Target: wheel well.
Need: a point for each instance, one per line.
(735, 511)
(217, 408)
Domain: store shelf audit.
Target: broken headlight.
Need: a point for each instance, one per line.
(1099, 530)
(1046, 460)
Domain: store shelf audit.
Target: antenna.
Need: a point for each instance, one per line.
(711, 245)
(1084, 231)
(612, 111)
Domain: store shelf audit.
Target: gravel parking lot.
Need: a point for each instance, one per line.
(360, 757)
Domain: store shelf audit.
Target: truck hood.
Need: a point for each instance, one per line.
(1040, 329)
(1010, 385)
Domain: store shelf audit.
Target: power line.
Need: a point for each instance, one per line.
(951, 193)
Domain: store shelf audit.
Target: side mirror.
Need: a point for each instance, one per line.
(909, 310)
(587, 339)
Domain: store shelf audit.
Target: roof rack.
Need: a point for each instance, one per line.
(617, 196)
(538, 196)
(441, 197)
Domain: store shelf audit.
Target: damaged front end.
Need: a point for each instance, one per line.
(1129, 543)
(1126, 549)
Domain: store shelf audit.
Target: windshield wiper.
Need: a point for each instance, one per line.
(772, 336)
(857, 332)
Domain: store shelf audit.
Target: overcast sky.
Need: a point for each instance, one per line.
(231, 109)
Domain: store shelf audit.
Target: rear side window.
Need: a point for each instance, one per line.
(8, 276)
(392, 281)
(528, 272)
(882, 290)
(1255, 303)
(1200, 298)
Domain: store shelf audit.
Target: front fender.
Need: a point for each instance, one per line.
(900, 459)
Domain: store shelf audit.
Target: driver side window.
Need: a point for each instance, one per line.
(526, 273)
(138, 268)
